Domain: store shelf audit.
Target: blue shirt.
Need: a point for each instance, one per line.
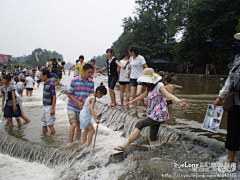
(53, 75)
(79, 91)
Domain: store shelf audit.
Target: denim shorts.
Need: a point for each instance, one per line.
(133, 82)
(112, 80)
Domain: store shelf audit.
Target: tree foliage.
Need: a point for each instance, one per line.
(205, 29)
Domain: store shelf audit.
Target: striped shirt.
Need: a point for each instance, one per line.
(48, 92)
(79, 91)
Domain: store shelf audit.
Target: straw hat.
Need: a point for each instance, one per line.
(237, 36)
(148, 76)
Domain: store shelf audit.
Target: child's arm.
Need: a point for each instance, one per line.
(53, 105)
(14, 101)
(3, 101)
(92, 102)
(177, 86)
(118, 69)
(95, 74)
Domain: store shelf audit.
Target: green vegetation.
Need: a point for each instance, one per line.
(30, 60)
(204, 28)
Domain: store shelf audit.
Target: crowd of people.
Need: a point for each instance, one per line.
(133, 75)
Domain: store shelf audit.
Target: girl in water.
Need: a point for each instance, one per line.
(10, 107)
(157, 106)
(87, 113)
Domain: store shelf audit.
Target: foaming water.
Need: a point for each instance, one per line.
(12, 168)
(81, 163)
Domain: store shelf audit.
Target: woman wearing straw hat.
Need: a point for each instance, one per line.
(233, 124)
(157, 106)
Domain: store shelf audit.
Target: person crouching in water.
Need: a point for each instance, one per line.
(87, 113)
(157, 106)
(49, 101)
(10, 107)
(170, 88)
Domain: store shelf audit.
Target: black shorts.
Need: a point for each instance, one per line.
(112, 80)
(233, 130)
(154, 126)
(8, 111)
(123, 83)
(29, 89)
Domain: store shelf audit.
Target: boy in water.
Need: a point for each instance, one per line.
(170, 88)
(49, 101)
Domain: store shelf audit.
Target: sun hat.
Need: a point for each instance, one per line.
(237, 36)
(148, 76)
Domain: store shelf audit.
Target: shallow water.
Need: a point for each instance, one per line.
(86, 165)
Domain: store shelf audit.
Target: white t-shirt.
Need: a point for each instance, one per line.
(30, 82)
(122, 72)
(75, 70)
(37, 77)
(137, 66)
(20, 85)
(159, 84)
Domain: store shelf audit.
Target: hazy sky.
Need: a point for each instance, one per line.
(70, 27)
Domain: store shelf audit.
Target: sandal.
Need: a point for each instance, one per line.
(144, 109)
(133, 113)
(119, 148)
(113, 104)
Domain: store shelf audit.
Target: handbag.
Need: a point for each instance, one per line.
(127, 71)
(229, 102)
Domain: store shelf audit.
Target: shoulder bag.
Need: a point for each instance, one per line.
(127, 71)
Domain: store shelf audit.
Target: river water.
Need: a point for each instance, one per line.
(49, 156)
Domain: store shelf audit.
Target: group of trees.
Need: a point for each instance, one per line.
(182, 30)
(41, 54)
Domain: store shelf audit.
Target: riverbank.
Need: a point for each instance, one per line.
(200, 76)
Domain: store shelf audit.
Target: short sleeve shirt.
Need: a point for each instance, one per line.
(122, 78)
(8, 94)
(30, 82)
(48, 93)
(137, 66)
(79, 91)
(80, 67)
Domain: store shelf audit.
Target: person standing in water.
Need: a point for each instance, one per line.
(75, 69)
(233, 124)
(49, 102)
(79, 89)
(137, 64)
(123, 81)
(157, 106)
(87, 113)
(10, 105)
(111, 65)
(170, 88)
(80, 65)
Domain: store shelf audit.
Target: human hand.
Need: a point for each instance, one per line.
(124, 67)
(217, 102)
(80, 104)
(52, 112)
(128, 103)
(97, 121)
(183, 104)
(14, 108)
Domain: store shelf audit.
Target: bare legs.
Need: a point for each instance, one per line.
(122, 89)
(132, 137)
(231, 155)
(52, 130)
(71, 133)
(136, 91)
(25, 117)
(113, 97)
(90, 129)
(10, 123)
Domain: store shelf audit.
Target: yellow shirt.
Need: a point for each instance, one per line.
(80, 67)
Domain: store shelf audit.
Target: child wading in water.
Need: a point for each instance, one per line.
(157, 106)
(87, 113)
(10, 107)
